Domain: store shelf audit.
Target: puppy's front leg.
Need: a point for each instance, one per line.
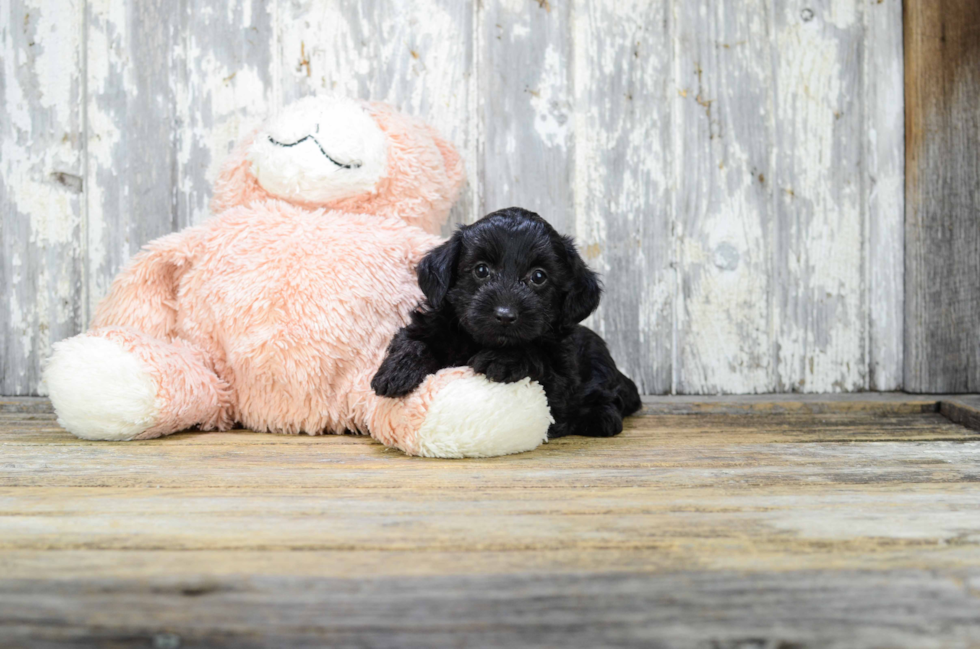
(405, 366)
(506, 365)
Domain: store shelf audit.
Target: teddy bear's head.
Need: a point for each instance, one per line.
(339, 153)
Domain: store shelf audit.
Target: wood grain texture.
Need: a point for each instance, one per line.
(851, 528)
(912, 608)
(819, 308)
(623, 99)
(731, 172)
(766, 521)
(225, 66)
(132, 162)
(884, 192)
(21, 405)
(964, 410)
(723, 205)
(526, 108)
(890, 403)
(41, 168)
(942, 231)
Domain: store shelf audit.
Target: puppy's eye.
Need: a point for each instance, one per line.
(539, 277)
(481, 271)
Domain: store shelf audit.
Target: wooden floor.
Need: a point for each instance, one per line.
(769, 522)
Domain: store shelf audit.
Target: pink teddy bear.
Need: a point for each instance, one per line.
(277, 311)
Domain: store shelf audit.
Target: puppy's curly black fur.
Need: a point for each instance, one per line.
(505, 296)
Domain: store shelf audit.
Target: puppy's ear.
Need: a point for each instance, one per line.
(437, 269)
(583, 296)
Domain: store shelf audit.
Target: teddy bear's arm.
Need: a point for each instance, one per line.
(144, 294)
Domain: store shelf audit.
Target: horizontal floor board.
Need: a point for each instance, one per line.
(905, 608)
(196, 566)
(745, 466)
(674, 430)
(713, 519)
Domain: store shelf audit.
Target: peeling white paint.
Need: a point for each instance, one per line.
(40, 161)
(885, 183)
(56, 51)
(622, 179)
(822, 319)
(843, 13)
(749, 134)
(106, 34)
(238, 102)
(548, 100)
(53, 218)
(724, 336)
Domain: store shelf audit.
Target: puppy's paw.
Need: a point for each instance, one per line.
(559, 429)
(499, 367)
(397, 379)
(599, 421)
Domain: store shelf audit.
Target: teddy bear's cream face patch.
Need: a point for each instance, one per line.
(320, 150)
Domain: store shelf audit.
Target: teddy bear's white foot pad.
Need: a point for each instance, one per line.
(474, 417)
(99, 390)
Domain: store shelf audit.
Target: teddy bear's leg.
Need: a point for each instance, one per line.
(116, 383)
(456, 413)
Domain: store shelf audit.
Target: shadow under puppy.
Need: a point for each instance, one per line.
(505, 296)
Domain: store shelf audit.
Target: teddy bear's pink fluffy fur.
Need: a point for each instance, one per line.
(275, 314)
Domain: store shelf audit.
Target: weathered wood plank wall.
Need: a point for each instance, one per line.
(733, 168)
(942, 263)
(42, 207)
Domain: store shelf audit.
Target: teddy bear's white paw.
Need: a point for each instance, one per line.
(99, 390)
(474, 417)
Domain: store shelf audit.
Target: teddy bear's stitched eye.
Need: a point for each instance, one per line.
(481, 271)
(539, 277)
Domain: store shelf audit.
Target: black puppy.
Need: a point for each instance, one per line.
(505, 296)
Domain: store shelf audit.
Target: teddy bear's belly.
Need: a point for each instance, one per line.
(301, 324)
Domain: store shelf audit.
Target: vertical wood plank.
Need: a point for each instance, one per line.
(526, 104)
(885, 168)
(942, 235)
(724, 197)
(623, 66)
(225, 65)
(131, 114)
(819, 302)
(416, 55)
(41, 262)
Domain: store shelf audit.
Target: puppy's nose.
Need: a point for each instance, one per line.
(505, 315)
